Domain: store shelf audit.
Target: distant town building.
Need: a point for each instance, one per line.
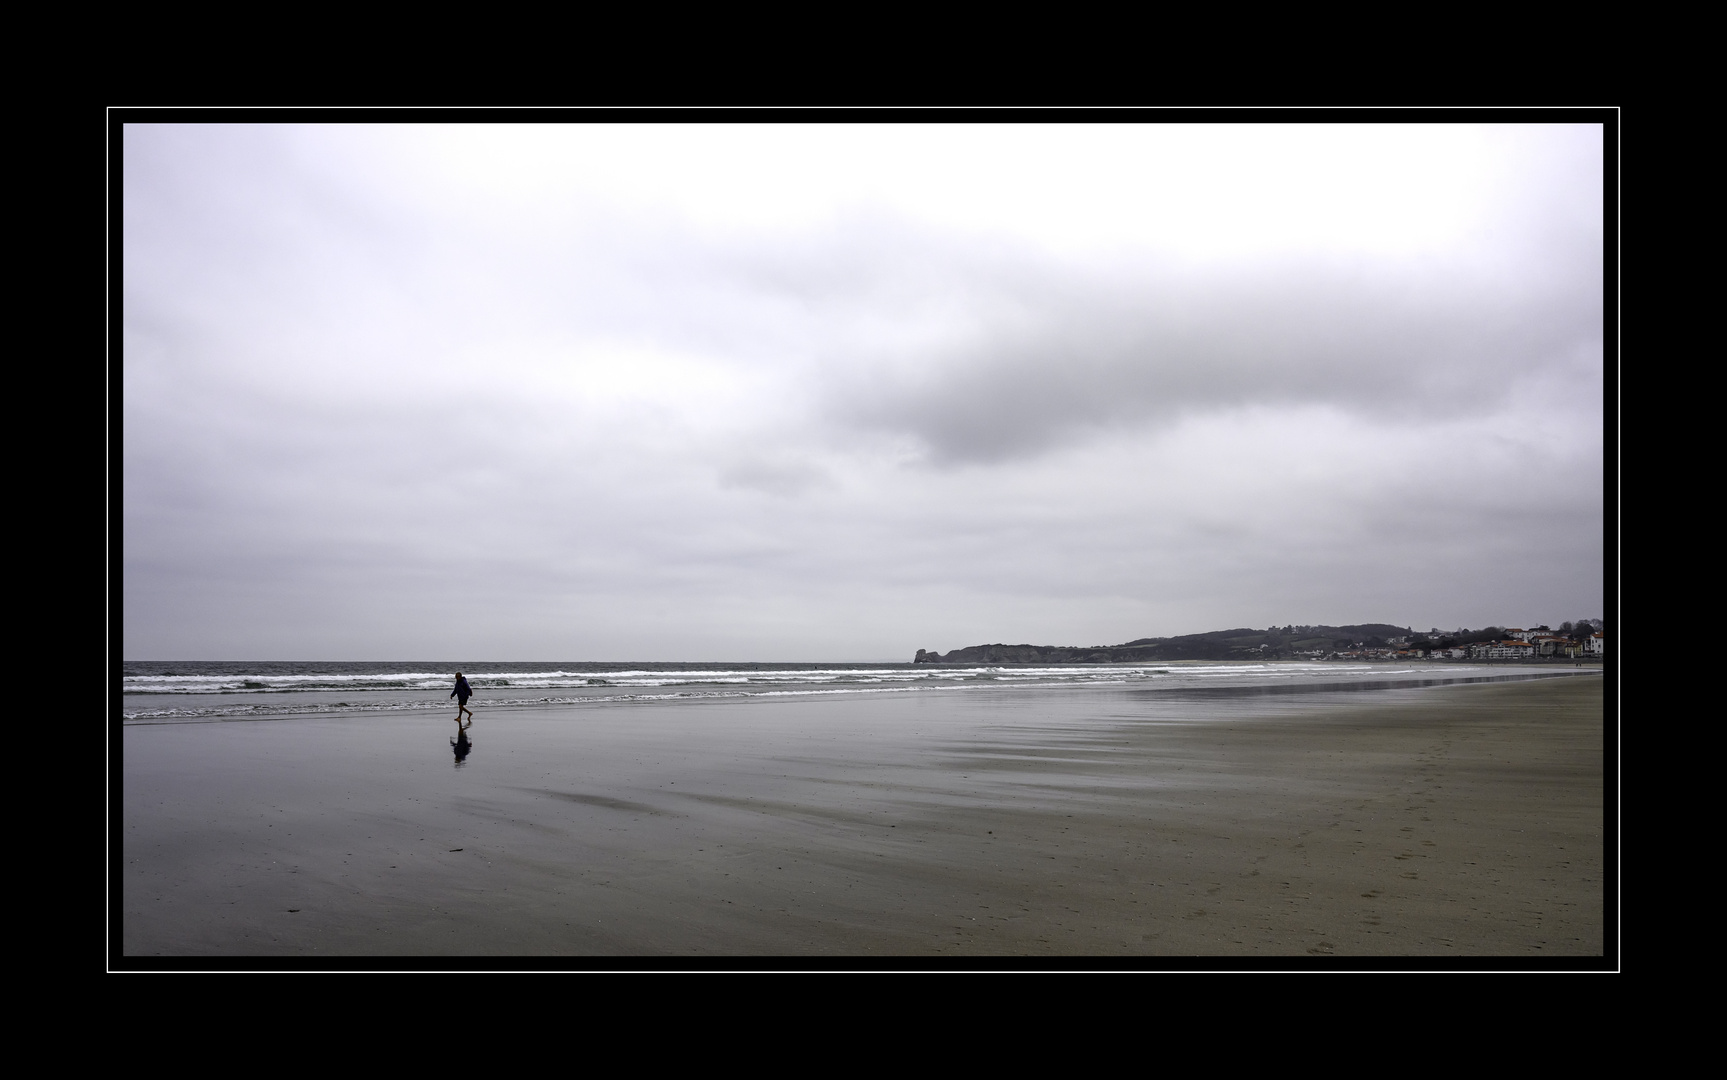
(1554, 646)
(1502, 650)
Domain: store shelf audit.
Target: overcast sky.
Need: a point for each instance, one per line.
(844, 392)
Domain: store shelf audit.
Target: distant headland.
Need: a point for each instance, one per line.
(1366, 641)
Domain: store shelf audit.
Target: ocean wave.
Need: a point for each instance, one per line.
(285, 690)
(241, 682)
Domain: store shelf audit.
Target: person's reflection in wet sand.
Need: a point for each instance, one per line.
(460, 742)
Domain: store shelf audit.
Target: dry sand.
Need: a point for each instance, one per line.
(1446, 822)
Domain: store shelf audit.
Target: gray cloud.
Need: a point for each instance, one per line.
(373, 406)
(1047, 358)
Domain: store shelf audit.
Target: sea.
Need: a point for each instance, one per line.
(168, 692)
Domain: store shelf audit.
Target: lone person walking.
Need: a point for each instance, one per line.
(462, 693)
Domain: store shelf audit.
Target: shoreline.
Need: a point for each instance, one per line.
(1462, 821)
(296, 694)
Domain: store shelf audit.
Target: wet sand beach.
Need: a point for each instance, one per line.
(1462, 821)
